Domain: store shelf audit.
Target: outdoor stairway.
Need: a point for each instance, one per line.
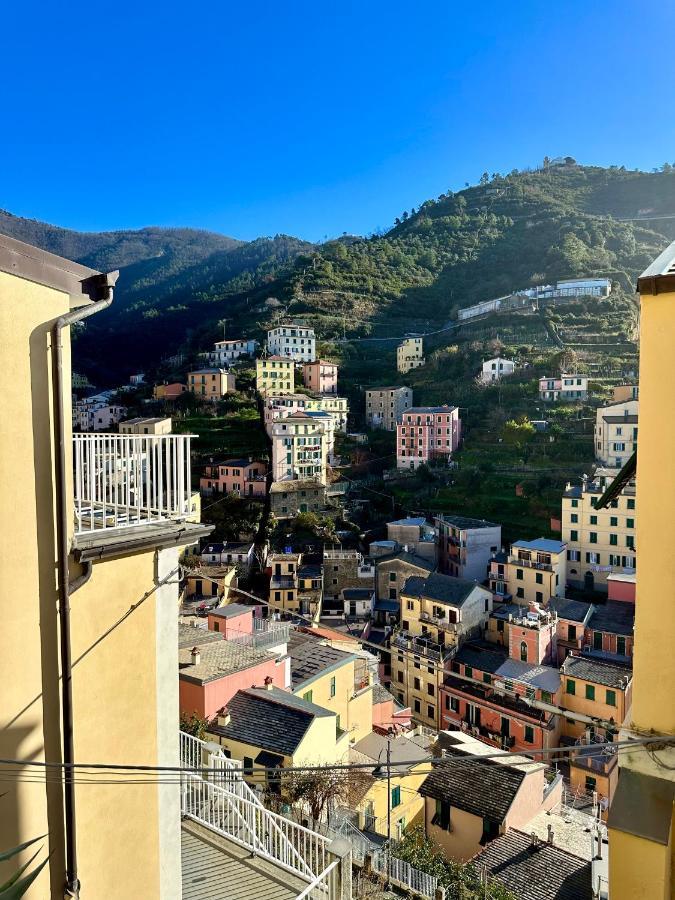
(215, 868)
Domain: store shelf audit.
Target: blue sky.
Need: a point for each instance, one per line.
(311, 118)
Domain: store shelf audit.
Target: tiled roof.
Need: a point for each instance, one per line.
(463, 522)
(357, 593)
(310, 657)
(403, 556)
(231, 609)
(189, 636)
(571, 610)
(411, 520)
(273, 720)
(283, 487)
(218, 660)
(402, 750)
(489, 658)
(618, 420)
(544, 545)
(597, 671)
(440, 588)
(613, 617)
(543, 872)
(482, 656)
(478, 786)
(424, 410)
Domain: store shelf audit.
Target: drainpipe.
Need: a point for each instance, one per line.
(104, 285)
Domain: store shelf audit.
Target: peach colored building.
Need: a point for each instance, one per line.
(246, 477)
(320, 376)
(211, 383)
(388, 714)
(427, 433)
(169, 391)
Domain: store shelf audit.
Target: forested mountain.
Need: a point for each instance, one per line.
(506, 233)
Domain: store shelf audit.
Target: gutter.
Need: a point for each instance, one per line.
(102, 286)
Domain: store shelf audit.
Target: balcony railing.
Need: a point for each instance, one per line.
(531, 564)
(439, 622)
(125, 480)
(265, 634)
(419, 646)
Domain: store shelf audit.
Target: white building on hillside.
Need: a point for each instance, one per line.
(224, 353)
(296, 342)
(299, 448)
(616, 431)
(494, 369)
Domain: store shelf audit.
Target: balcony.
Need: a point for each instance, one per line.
(282, 582)
(531, 564)
(419, 645)
(129, 480)
(440, 622)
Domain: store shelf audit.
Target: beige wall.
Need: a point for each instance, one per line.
(463, 841)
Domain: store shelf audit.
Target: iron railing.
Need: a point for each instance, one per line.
(124, 480)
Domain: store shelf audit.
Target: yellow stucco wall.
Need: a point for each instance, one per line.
(639, 869)
(408, 812)
(463, 840)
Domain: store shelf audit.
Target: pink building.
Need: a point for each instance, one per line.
(388, 714)
(320, 376)
(621, 587)
(427, 433)
(245, 477)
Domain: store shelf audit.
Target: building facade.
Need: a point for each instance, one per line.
(224, 353)
(427, 434)
(320, 376)
(385, 406)
(244, 477)
(211, 383)
(288, 498)
(600, 542)
(410, 354)
(533, 572)
(146, 426)
(563, 387)
(169, 391)
(296, 342)
(465, 546)
(494, 369)
(299, 449)
(274, 375)
(616, 433)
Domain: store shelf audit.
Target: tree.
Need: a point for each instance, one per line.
(194, 724)
(518, 431)
(315, 793)
(484, 179)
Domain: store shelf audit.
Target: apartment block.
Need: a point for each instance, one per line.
(600, 542)
(212, 383)
(288, 498)
(245, 477)
(338, 407)
(465, 546)
(224, 353)
(385, 406)
(295, 586)
(228, 554)
(278, 406)
(616, 433)
(274, 375)
(529, 635)
(344, 569)
(169, 391)
(146, 426)
(296, 342)
(320, 376)
(533, 572)
(89, 554)
(427, 434)
(563, 387)
(393, 571)
(497, 368)
(410, 354)
(437, 613)
(299, 448)
(413, 534)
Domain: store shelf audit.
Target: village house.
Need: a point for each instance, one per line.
(344, 569)
(396, 804)
(146, 426)
(299, 448)
(395, 568)
(320, 376)
(278, 406)
(616, 433)
(274, 375)
(333, 679)
(212, 383)
(97, 413)
(623, 392)
(410, 354)
(415, 535)
(295, 586)
(226, 352)
(497, 368)
(296, 342)
(288, 498)
(599, 542)
(228, 554)
(533, 572)
(358, 602)
(389, 716)
(528, 634)
(206, 582)
(463, 812)
(490, 695)
(572, 618)
(385, 406)
(245, 477)
(437, 613)
(338, 407)
(563, 387)
(169, 391)
(427, 434)
(465, 546)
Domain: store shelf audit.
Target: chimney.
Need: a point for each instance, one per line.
(196, 656)
(268, 683)
(223, 716)
(550, 834)
(533, 836)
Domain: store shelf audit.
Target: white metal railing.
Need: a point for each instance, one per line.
(265, 634)
(325, 885)
(227, 804)
(122, 480)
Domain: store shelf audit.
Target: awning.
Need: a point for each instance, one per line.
(625, 475)
(269, 760)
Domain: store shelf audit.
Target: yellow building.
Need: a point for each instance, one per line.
(616, 433)
(395, 804)
(533, 572)
(641, 820)
(437, 613)
(334, 680)
(294, 587)
(211, 383)
(338, 407)
(600, 542)
(274, 375)
(410, 354)
(100, 618)
(623, 392)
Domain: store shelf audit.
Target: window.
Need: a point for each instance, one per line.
(468, 671)
(574, 535)
(610, 698)
(590, 692)
(574, 504)
(594, 520)
(307, 696)
(519, 574)
(613, 540)
(392, 576)
(500, 625)
(395, 796)
(539, 578)
(392, 593)
(630, 503)
(332, 686)
(416, 705)
(590, 784)
(529, 734)
(593, 537)
(248, 762)
(430, 690)
(486, 678)
(613, 521)
(621, 645)
(571, 632)
(399, 677)
(417, 684)
(441, 817)
(520, 592)
(571, 686)
(630, 541)
(523, 651)
(431, 711)
(574, 518)
(539, 597)
(546, 697)
(630, 523)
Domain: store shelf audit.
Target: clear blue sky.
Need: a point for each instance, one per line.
(311, 118)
